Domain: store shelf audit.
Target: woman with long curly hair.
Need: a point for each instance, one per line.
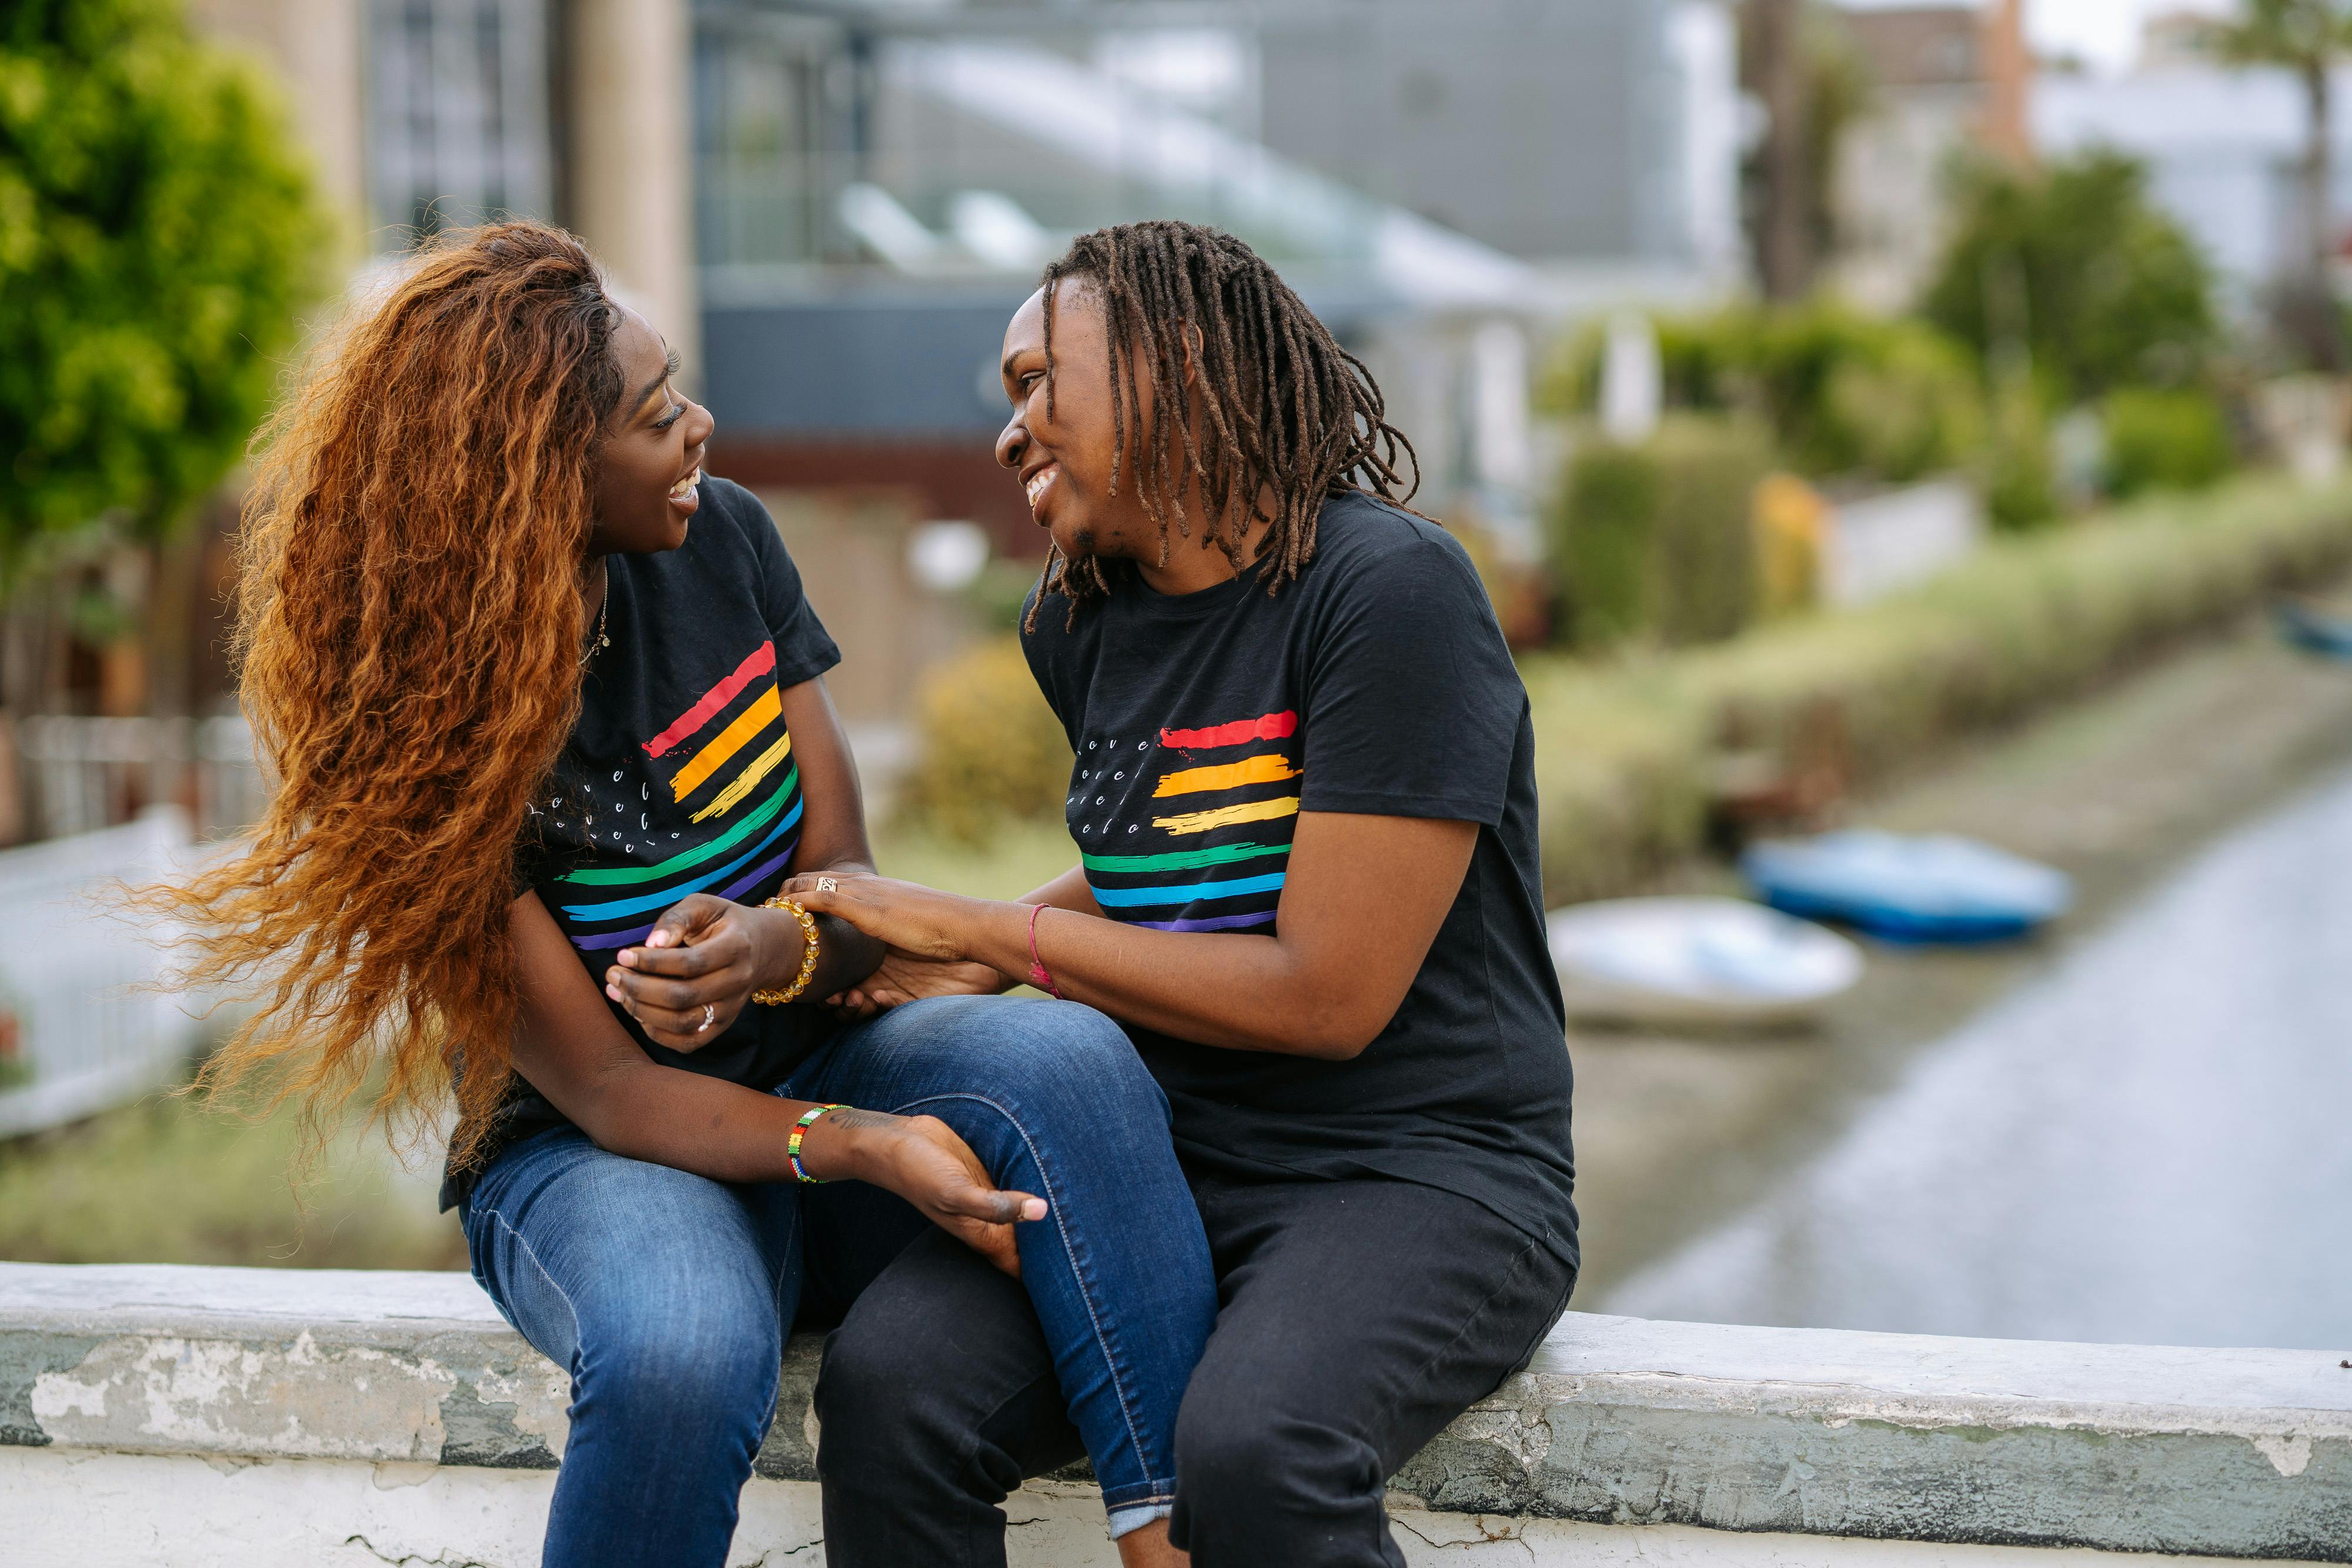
(544, 706)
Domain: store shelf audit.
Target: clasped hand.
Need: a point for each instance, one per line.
(924, 932)
(696, 968)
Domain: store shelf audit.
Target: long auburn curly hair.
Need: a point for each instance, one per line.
(409, 623)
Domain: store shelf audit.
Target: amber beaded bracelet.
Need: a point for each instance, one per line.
(808, 955)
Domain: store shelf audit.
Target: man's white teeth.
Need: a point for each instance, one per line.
(1036, 486)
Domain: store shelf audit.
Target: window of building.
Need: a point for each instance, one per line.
(456, 114)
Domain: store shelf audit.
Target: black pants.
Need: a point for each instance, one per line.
(1354, 1320)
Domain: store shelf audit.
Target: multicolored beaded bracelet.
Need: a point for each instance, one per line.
(793, 1144)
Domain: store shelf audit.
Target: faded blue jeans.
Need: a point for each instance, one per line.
(667, 1295)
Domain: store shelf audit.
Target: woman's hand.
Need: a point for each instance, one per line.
(901, 977)
(922, 1160)
(695, 970)
(914, 921)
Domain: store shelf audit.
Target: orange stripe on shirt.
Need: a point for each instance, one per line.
(1225, 816)
(727, 743)
(1272, 768)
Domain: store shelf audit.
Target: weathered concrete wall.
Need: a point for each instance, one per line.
(195, 1415)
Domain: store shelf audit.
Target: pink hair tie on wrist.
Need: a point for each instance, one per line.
(1039, 976)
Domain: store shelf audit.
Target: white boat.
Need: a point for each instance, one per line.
(1707, 962)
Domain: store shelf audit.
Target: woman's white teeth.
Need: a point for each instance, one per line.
(684, 486)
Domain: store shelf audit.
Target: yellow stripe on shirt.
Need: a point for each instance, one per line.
(743, 782)
(1224, 816)
(726, 744)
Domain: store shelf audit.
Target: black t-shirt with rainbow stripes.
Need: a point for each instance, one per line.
(1377, 683)
(679, 776)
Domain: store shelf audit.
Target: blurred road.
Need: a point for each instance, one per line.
(2148, 1145)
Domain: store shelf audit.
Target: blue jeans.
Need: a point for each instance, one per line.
(667, 1295)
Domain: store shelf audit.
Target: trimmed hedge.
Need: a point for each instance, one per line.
(1624, 752)
(1655, 542)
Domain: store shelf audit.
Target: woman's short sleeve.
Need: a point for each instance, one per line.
(1413, 705)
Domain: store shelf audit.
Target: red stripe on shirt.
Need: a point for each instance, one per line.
(1267, 726)
(760, 662)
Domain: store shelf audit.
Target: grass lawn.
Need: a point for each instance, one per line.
(167, 1181)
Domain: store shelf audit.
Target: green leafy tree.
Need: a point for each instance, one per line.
(2070, 274)
(2306, 38)
(158, 236)
(1844, 395)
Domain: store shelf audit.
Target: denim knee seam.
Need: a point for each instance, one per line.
(545, 1274)
(1158, 1489)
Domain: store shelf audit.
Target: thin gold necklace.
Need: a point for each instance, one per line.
(604, 609)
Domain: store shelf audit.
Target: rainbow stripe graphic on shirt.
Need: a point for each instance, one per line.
(1177, 882)
(762, 661)
(754, 848)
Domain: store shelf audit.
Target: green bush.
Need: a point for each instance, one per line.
(158, 236)
(1601, 543)
(2158, 440)
(1655, 542)
(1624, 753)
(2072, 267)
(990, 748)
(2019, 470)
(1842, 393)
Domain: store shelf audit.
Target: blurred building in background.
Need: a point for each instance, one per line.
(878, 184)
(1940, 81)
(2222, 146)
(831, 206)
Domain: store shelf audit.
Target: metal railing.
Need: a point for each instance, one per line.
(83, 774)
(82, 1025)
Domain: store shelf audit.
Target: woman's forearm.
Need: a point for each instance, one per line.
(1069, 890)
(1362, 899)
(844, 956)
(1239, 992)
(688, 1121)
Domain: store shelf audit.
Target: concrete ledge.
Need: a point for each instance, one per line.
(1618, 1422)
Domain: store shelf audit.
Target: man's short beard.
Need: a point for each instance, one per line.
(1083, 542)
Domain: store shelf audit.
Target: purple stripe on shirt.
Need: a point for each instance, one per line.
(635, 934)
(1211, 922)
(612, 938)
(765, 869)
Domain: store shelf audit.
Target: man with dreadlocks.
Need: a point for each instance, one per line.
(1304, 801)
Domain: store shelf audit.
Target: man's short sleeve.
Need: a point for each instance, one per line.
(1413, 702)
(804, 648)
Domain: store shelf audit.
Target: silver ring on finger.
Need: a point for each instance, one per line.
(826, 885)
(709, 1015)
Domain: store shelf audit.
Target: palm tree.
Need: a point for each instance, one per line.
(2306, 38)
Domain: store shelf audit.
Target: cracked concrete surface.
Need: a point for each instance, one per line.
(404, 1399)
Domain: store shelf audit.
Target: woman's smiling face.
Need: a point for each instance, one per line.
(1065, 458)
(648, 474)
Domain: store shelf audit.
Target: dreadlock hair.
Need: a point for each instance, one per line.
(408, 631)
(1283, 406)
